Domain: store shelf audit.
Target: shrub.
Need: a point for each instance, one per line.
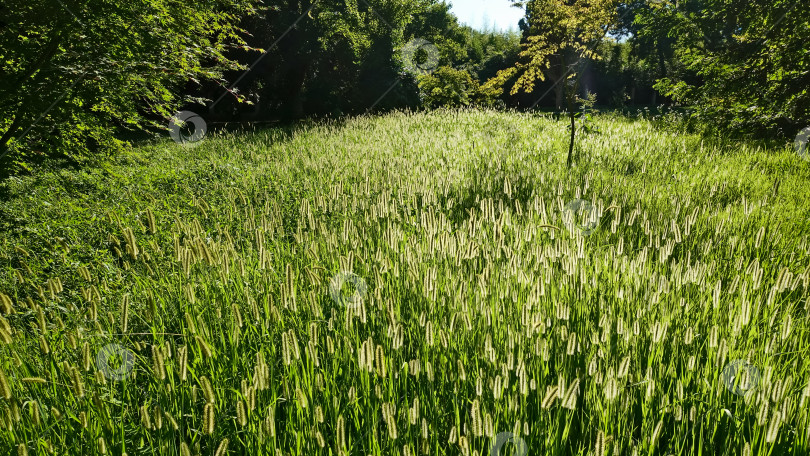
(449, 87)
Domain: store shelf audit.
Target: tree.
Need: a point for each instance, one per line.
(341, 58)
(747, 68)
(489, 51)
(73, 74)
(560, 35)
(449, 87)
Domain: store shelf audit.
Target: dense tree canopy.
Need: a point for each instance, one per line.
(76, 77)
(744, 65)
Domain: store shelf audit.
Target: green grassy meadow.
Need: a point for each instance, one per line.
(411, 284)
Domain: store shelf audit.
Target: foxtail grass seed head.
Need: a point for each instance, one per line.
(713, 337)
(237, 315)
(477, 421)
(464, 444)
(270, 422)
(762, 414)
(208, 390)
(5, 388)
(146, 420)
(157, 417)
(41, 320)
(150, 218)
(241, 413)
(124, 313)
(77, 382)
(570, 399)
(593, 365)
(379, 361)
(548, 399)
(600, 448)
(301, 398)
(5, 335)
(33, 408)
(172, 421)
(659, 331)
(205, 349)
(190, 325)
(209, 418)
(6, 304)
(656, 433)
(222, 449)
(760, 236)
(86, 356)
(340, 434)
(624, 367)
(44, 346)
(158, 361)
(182, 360)
(773, 427)
(611, 389)
(787, 326)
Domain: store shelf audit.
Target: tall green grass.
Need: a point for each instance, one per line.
(178, 300)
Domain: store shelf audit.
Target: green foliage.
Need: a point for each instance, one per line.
(744, 69)
(560, 35)
(75, 74)
(448, 87)
(586, 115)
(469, 57)
(340, 58)
(489, 51)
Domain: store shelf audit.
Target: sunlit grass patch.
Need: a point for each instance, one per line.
(411, 284)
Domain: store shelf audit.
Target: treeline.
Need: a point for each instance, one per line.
(349, 58)
(78, 77)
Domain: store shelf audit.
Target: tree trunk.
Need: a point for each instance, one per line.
(294, 99)
(49, 51)
(12, 130)
(570, 94)
(559, 93)
(571, 114)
